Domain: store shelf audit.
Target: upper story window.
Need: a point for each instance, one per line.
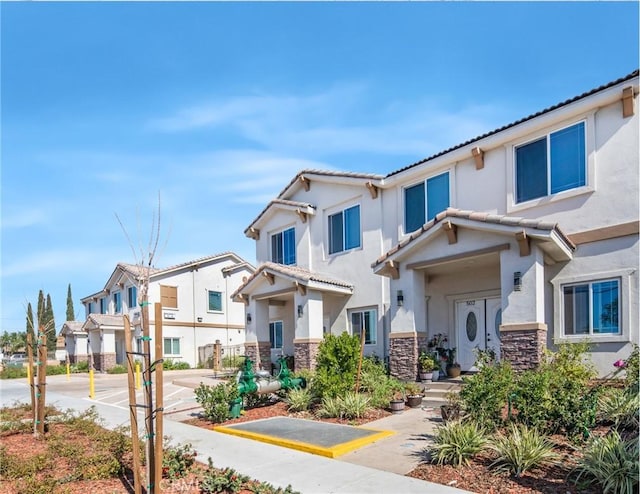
(591, 308)
(132, 297)
(424, 200)
(169, 296)
(344, 230)
(215, 301)
(551, 164)
(283, 247)
(117, 303)
(89, 308)
(365, 320)
(103, 305)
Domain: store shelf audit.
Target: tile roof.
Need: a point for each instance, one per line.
(283, 202)
(135, 270)
(297, 273)
(72, 327)
(480, 217)
(105, 320)
(633, 74)
(328, 173)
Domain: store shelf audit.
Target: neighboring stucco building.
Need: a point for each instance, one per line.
(196, 309)
(75, 341)
(514, 240)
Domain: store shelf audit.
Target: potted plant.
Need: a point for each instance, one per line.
(428, 363)
(414, 397)
(448, 356)
(396, 405)
(453, 408)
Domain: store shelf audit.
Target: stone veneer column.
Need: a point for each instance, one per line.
(305, 353)
(523, 344)
(403, 355)
(104, 361)
(251, 350)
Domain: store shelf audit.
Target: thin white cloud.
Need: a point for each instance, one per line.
(345, 118)
(63, 261)
(24, 218)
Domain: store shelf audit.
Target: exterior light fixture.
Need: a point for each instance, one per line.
(248, 318)
(300, 311)
(517, 281)
(400, 298)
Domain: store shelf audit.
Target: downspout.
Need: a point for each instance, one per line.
(193, 316)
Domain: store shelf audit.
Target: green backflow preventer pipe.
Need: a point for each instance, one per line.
(261, 382)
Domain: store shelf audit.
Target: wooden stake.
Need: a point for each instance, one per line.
(148, 400)
(360, 361)
(42, 382)
(159, 367)
(133, 411)
(30, 378)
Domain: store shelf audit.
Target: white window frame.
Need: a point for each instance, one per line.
(403, 198)
(173, 339)
(215, 311)
(273, 341)
(363, 310)
(590, 163)
(334, 212)
(281, 232)
(118, 296)
(624, 307)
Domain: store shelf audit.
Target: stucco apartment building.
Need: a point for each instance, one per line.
(515, 240)
(196, 311)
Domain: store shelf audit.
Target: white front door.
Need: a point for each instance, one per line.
(478, 326)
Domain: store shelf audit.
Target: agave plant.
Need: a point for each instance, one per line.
(457, 442)
(612, 462)
(521, 449)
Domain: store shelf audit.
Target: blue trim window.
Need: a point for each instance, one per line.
(283, 247)
(117, 303)
(89, 308)
(103, 306)
(132, 297)
(215, 301)
(275, 334)
(591, 308)
(365, 320)
(344, 230)
(424, 200)
(552, 164)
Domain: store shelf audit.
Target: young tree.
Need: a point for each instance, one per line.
(70, 312)
(50, 325)
(40, 311)
(30, 326)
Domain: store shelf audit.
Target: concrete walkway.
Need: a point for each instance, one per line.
(355, 472)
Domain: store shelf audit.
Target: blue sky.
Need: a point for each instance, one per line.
(216, 106)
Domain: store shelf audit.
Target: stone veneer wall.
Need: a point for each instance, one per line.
(251, 351)
(75, 359)
(403, 355)
(264, 348)
(104, 361)
(524, 348)
(305, 354)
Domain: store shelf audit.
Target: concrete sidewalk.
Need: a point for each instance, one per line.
(306, 473)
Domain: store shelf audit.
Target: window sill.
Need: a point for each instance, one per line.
(550, 199)
(592, 339)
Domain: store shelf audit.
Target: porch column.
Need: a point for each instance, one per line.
(408, 320)
(523, 332)
(257, 343)
(308, 316)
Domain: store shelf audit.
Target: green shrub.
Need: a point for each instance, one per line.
(572, 409)
(521, 449)
(456, 442)
(532, 399)
(117, 369)
(632, 371)
(232, 362)
(299, 399)
(377, 384)
(612, 462)
(215, 400)
(336, 365)
(82, 366)
(222, 481)
(169, 364)
(177, 460)
(13, 372)
(484, 395)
